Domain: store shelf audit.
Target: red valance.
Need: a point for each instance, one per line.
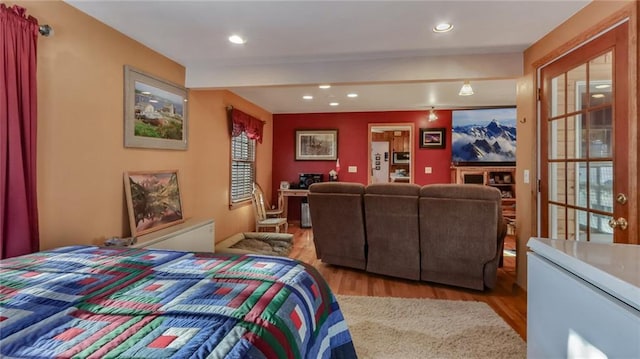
(242, 122)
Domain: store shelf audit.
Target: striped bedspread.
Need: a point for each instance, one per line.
(94, 302)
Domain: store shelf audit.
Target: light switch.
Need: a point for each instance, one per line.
(526, 176)
(428, 170)
(353, 169)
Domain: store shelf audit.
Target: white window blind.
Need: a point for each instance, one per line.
(243, 167)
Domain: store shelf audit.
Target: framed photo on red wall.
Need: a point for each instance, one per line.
(432, 137)
(316, 145)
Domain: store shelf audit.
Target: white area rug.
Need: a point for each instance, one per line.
(428, 328)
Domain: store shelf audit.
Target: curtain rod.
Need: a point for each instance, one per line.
(46, 30)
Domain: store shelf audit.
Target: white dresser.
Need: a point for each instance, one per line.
(193, 235)
(583, 300)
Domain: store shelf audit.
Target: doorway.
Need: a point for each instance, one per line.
(584, 142)
(390, 149)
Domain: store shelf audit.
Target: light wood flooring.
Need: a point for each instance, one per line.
(507, 299)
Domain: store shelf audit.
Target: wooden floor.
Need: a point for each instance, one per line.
(507, 299)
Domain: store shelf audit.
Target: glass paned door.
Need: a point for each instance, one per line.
(583, 143)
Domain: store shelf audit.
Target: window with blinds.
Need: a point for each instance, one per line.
(243, 167)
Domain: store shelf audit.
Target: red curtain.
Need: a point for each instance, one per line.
(242, 122)
(18, 113)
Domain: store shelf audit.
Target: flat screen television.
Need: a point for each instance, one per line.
(484, 137)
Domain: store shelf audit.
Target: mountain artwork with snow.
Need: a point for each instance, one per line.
(483, 135)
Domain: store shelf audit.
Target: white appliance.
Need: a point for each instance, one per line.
(583, 299)
(379, 162)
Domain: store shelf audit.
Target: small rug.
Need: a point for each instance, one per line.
(428, 328)
(268, 246)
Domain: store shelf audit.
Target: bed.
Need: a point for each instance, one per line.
(101, 302)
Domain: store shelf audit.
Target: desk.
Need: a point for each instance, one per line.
(286, 193)
(399, 178)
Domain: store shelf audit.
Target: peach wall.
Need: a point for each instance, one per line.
(81, 157)
(594, 18)
(211, 160)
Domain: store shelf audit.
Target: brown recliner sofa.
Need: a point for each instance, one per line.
(338, 223)
(451, 234)
(391, 218)
(461, 234)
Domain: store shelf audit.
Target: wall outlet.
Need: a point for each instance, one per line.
(353, 169)
(526, 176)
(428, 170)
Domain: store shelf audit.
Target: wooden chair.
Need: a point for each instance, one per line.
(262, 220)
(271, 212)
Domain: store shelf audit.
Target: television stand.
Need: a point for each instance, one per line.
(502, 178)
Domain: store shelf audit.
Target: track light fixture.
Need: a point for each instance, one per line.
(432, 115)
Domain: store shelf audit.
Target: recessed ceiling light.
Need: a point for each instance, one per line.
(603, 86)
(146, 93)
(597, 95)
(443, 27)
(237, 39)
(325, 86)
(307, 97)
(333, 104)
(156, 101)
(352, 95)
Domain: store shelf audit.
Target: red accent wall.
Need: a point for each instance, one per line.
(353, 130)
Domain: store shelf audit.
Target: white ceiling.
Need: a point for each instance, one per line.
(383, 50)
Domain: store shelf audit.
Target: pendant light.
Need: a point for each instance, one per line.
(466, 89)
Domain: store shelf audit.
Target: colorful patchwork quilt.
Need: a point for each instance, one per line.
(94, 302)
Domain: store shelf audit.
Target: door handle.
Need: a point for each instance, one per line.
(618, 223)
(621, 198)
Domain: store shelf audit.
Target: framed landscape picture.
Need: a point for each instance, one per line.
(155, 112)
(153, 200)
(316, 145)
(432, 137)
